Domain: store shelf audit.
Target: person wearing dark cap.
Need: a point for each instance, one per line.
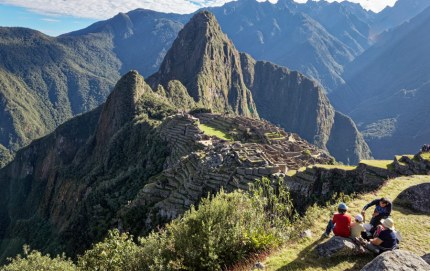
(340, 223)
(382, 210)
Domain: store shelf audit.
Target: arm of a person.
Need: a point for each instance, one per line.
(376, 241)
(374, 202)
(389, 207)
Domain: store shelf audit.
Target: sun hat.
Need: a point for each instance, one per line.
(359, 218)
(342, 206)
(388, 223)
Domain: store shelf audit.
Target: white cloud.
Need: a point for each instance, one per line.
(375, 5)
(103, 9)
(50, 20)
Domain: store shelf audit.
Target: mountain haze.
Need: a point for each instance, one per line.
(388, 89)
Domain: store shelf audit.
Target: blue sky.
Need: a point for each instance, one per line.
(55, 17)
(46, 23)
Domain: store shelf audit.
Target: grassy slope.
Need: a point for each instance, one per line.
(300, 255)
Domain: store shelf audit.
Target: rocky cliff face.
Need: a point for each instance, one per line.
(128, 165)
(298, 104)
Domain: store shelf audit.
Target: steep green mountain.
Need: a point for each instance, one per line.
(45, 81)
(140, 37)
(206, 62)
(388, 90)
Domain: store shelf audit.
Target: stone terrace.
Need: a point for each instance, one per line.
(200, 164)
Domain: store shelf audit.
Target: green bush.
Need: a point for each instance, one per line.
(34, 261)
(116, 253)
(224, 229)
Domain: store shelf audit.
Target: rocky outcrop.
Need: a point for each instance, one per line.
(411, 165)
(206, 62)
(397, 260)
(417, 197)
(121, 106)
(426, 258)
(338, 246)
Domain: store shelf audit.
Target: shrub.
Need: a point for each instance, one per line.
(116, 253)
(224, 229)
(33, 260)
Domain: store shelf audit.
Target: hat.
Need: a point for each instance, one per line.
(359, 218)
(388, 223)
(342, 206)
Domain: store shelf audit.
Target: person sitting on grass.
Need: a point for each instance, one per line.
(357, 227)
(386, 239)
(340, 224)
(382, 210)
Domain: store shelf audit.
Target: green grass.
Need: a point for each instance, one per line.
(293, 172)
(426, 155)
(212, 131)
(274, 136)
(377, 163)
(300, 255)
(343, 167)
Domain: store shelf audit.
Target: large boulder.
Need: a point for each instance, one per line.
(339, 246)
(397, 260)
(416, 197)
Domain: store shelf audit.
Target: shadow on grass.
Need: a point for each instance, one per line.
(308, 258)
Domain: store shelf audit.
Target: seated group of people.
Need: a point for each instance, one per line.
(378, 236)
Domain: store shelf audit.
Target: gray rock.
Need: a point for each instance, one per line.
(397, 260)
(417, 197)
(339, 246)
(426, 258)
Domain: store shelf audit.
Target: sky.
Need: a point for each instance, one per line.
(55, 17)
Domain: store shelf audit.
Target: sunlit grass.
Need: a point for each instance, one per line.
(300, 254)
(211, 131)
(343, 167)
(377, 163)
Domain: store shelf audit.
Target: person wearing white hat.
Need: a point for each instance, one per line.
(386, 239)
(357, 227)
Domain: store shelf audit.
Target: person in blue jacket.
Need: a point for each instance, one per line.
(382, 210)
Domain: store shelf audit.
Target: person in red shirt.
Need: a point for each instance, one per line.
(340, 224)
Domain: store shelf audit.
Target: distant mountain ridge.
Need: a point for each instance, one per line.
(317, 38)
(388, 89)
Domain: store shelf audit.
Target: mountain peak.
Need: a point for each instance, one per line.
(121, 105)
(206, 62)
